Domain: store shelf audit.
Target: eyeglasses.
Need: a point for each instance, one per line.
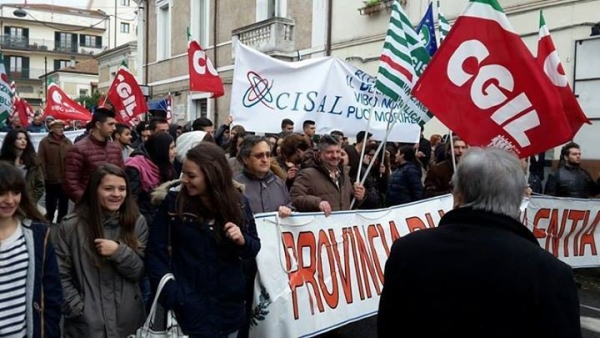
(260, 156)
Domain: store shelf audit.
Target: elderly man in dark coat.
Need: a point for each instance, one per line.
(481, 273)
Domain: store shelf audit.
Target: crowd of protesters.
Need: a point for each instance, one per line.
(160, 197)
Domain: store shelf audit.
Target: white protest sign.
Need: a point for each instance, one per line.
(317, 273)
(329, 91)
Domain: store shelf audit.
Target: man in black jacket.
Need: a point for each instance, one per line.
(481, 273)
(570, 180)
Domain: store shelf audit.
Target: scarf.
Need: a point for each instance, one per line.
(149, 172)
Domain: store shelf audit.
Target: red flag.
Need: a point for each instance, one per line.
(126, 96)
(203, 75)
(484, 84)
(548, 59)
(169, 107)
(61, 107)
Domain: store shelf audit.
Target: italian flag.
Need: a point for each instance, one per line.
(402, 61)
(549, 60)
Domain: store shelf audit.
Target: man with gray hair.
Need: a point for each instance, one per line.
(481, 272)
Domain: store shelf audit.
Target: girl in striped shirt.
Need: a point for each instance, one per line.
(30, 290)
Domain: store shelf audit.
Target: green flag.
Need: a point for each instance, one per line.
(403, 60)
(443, 23)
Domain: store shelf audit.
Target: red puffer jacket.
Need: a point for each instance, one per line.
(81, 161)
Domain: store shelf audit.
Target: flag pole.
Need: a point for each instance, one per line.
(364, 145)
(451, 140)
(387, 133)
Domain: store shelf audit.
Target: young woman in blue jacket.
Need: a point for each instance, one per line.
(201, 233)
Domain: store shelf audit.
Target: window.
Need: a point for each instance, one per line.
(65, 42)
(16, 64)
(163, 38)
(83, 92)
(124, 2)
(267, 9)
(58, 64)
(199, 108)
(124, 27)
(199, 21)
(90, 41)
(17, 67)
(16, 36)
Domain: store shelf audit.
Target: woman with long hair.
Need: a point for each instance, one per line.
(18, 150)
(201, 232)
(30, 289)
(100, 249)
(405, 184)
(148, 171)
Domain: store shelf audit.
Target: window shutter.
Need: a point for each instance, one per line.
(25, 32)
(6, 30)
(74, 43)
(25, 67)
(98, 42)
(56, 64)
(82, 40)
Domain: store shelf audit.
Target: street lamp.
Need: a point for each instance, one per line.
(19, 13)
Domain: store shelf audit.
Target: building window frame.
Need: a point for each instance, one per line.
(200, 21)
(125, 3)
(124, 27)
(163, 26)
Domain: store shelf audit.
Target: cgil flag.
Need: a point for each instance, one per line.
(485, 85)
(61, 107)
(426, 31)
(443, 23)
(403, 60)
(5, 94)
(203, 75)
(126, 97)
(548, 59)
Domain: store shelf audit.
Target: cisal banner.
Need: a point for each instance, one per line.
(317, 273)
(329, 91)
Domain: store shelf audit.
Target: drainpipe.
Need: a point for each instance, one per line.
(146, 38)
(215, 23)
(329, 28)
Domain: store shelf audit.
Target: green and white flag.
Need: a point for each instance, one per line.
(5, 94)
(402, 62)
(443, 23)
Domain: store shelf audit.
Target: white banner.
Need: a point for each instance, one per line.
(329, 271)
(329, 91)
(566, 228)
(317, 273)
(37, 137)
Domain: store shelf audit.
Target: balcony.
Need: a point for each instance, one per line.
(273, 37)
(8, 42)
(25, 74)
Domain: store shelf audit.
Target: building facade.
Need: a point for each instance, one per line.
(348, 29)
(43, 38)
(109, 62)
(122, 20)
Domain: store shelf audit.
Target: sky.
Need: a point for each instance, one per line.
(69, 3)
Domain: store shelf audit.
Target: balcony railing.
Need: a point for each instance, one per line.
(8, 42)
(273, 36)
(24, 74)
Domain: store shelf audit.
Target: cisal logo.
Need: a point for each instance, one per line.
(260, 91)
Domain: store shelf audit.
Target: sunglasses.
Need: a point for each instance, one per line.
(260, 156)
